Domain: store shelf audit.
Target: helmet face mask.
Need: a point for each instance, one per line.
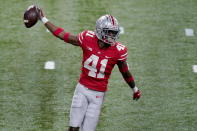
(107, 29)
(109, 36)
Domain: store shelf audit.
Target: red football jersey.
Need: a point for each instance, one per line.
(98, 63)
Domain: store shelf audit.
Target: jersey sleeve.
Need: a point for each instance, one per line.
(122, 53)
(81, 38)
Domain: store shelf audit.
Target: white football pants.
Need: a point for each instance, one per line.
(86, 107)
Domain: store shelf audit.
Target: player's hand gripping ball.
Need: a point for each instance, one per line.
(30, 16)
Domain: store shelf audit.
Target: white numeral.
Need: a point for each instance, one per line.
(102, 70)
(120, 47)
(92, 68)
(94, 59)
(90, 33)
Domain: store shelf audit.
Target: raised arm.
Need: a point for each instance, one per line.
(57, 31)
(123, 68)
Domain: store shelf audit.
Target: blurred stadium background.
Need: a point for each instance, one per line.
(160, 57)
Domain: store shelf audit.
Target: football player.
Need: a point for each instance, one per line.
(101, 52)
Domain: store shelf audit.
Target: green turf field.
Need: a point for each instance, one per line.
(160, 58)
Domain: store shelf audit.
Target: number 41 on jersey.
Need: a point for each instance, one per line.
(92, 68)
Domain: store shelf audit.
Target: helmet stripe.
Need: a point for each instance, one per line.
(112, 19)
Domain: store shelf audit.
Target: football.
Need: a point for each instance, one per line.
(30, 16)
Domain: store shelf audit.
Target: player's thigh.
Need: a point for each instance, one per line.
(93, 113)
(95, 105)
(78, 108)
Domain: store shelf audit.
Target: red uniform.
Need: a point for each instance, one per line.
(98, 63)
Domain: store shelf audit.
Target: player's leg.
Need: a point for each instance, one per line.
(78, 108)
(73, 128)
(93, 111)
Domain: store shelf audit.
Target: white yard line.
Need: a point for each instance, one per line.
(49, 65)
(189, 32)
(195, 68)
